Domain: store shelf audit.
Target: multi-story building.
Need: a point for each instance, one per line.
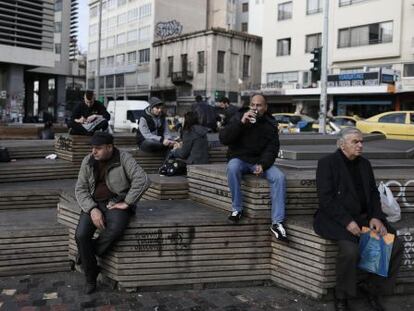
(128, 29)
(37, 43)
(211, 63)
(370, 46)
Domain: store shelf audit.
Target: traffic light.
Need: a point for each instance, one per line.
(317, 62)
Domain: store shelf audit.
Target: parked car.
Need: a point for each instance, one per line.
(125, 114)
(395, 124)
(345, 121)
(291, 120)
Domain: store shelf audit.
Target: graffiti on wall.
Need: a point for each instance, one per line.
(408, 241)
(158, 241)
(168, 29)
(404, 192)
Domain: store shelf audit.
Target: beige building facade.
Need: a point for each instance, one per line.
(365, 36)
(211, 63)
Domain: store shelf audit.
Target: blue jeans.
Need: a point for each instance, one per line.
(277, 181)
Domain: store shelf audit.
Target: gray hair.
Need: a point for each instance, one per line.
(258, 94)
(345, 132)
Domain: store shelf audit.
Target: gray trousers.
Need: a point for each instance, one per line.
(346, 270)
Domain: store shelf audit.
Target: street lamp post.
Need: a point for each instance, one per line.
(98, 60)
(324, 69)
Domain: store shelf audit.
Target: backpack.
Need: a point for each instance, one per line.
(173, 167)
(4, 155)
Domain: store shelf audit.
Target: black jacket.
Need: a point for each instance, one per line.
(338, 200)
(207, 115)
(256, 143)
(159, 131)
(83, 110)
(195, 146)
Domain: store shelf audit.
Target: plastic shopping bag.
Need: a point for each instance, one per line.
(375, 251)
(389, 204)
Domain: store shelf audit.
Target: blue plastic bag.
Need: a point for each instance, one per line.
(375, 251)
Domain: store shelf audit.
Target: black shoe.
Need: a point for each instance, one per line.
(372, 299)
(90, 287)
(341, 304)
(235, 217)
(279, 231)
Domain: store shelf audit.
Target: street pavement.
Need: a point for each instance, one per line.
(64, 292)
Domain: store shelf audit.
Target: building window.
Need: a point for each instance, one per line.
(184, 63)
(200, 62)
(144, 33)
(110, 42)
(283, 47)
(132, 57)
(313, 41)
(284, 11)
(170, 65)
(121, 38)
(246, 66)
(93, 12)
(220, 61)
(157, 67)
(121, 2)
(58, 6)
(58, 48)
(144, 56)
(349, 2)
(93, 29)
(283, 77)
(133, 14)
(91, 83)
(408, 70)
(58, 26)
(145, 10)
(122, 18)
(244, 27)
(314, 6)
(119, 80)
(92, 65)
(110, 81)
(93, 46)
(132, 36)
(110, 61)
(365, 35)
(245, 7)
(120, 59)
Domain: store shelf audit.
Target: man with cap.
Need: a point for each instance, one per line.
(110, 183)
(153, 134)
(89, 116)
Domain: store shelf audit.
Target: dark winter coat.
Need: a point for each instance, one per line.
(83, 110)
(254, 143)
(195, 146)
(339, 203)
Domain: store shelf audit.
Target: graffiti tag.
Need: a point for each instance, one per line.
(168, 29)
(402, 191)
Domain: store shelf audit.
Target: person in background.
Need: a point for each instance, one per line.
(348, 200)
(47, 132)
(194, 147)
(89, 116)
(227, 110)
(207, 115)
(153, 134)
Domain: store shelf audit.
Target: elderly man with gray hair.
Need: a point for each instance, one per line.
(348, 200)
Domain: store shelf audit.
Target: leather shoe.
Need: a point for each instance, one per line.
(371, 298)
(341, 304)
(90, 287)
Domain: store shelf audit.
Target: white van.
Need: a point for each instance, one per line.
(125, 114)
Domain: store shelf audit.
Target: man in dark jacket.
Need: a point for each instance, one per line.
(227, 110)
(253, 147)
(348, 200)
(207, 115)
(89, 116)
(110, 183)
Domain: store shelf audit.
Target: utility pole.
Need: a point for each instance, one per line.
(98, 60)
(324, 69)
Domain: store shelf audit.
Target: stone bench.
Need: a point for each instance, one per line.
(25, 149)
(166, 188)
(180, 242)
(31, 241)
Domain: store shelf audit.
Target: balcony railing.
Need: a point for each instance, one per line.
(181, 76)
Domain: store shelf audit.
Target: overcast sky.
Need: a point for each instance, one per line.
(83, 25)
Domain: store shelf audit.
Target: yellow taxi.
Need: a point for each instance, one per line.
(345, 121)
(394, 125)
(291, 120)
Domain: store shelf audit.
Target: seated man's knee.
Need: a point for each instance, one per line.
(81, 236)
(234, 166)
(274, 175)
